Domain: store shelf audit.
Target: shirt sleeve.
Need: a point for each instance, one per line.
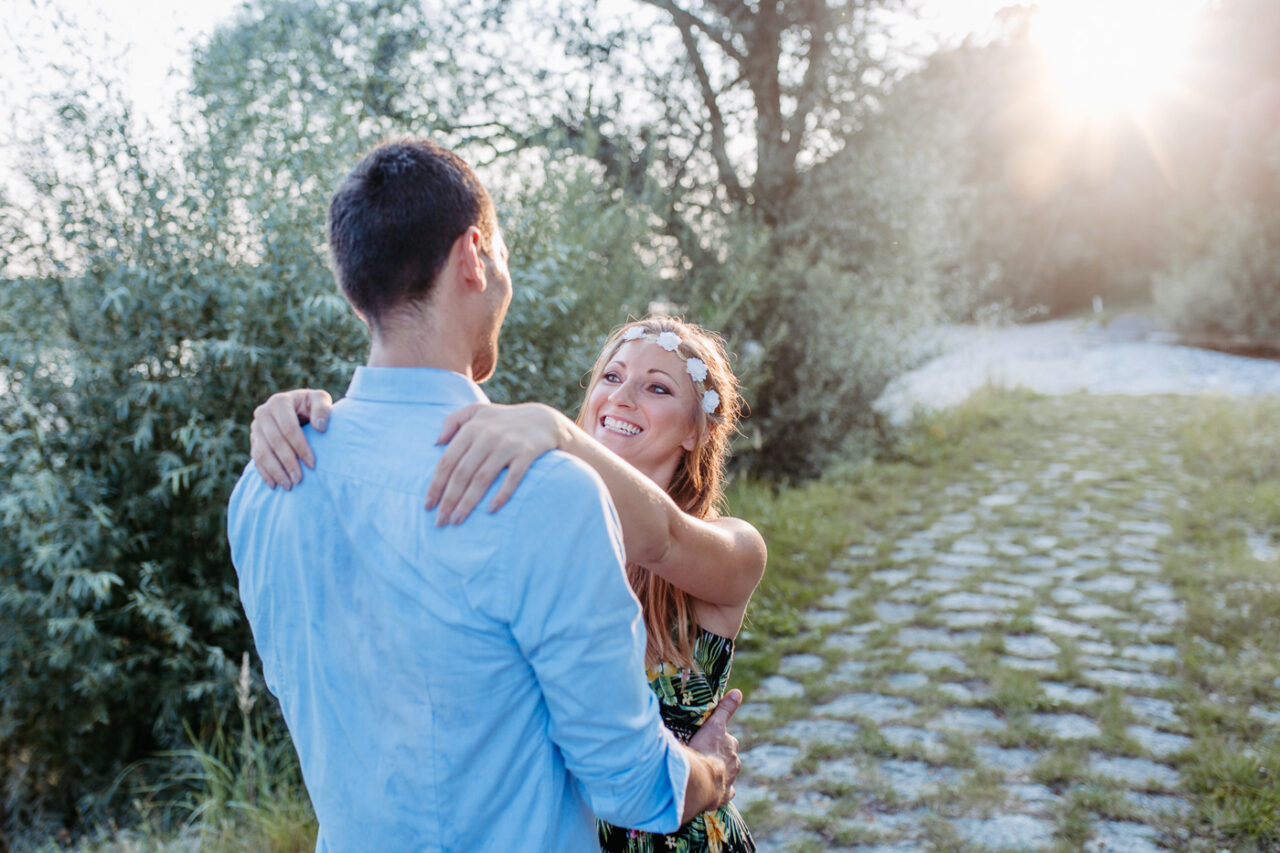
(579, 625)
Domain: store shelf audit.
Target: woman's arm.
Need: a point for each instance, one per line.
(718, 561)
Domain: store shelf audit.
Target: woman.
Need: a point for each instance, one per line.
(660, 408)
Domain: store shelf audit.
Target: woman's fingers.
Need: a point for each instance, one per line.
(274, 450)
(483, 440)
(284, 432)
(453, 454)
(455, 420)
(315, 407)
(515, 473)
(480, 460)
(269, 467)
(477, 485)
(276, 440)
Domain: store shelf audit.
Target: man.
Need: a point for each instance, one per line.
(465, 687)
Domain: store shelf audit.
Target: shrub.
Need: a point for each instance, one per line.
(1232, 288)
(873, 256)
(139, 322)
(1225, 281)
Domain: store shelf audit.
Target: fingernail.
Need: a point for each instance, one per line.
(296, 476)
(310, 462)
(321, 423)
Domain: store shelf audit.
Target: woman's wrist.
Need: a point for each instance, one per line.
(566, 431)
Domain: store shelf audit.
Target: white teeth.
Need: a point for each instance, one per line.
(623, 427)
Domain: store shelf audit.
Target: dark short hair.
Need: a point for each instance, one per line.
(393, 220)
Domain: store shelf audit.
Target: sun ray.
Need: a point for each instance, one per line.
(1112, 56)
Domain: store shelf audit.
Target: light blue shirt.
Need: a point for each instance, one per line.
(468, 688)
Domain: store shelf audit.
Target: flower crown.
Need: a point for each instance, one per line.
(694, 366)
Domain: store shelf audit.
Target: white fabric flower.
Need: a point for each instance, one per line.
(710, 400)
(669, 341)
(696, 368)
(633, 333)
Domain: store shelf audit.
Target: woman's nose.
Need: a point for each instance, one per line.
(622, 394)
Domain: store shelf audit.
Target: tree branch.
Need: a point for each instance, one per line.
(807, 96)
(686, 20)
(719, 150)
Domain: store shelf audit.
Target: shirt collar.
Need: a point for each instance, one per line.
(414, 385)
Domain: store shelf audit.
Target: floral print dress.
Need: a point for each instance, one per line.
(687, 698)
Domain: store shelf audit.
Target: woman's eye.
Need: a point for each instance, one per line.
(610, 376)
(660, 389)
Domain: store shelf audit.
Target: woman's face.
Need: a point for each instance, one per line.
(643, 408)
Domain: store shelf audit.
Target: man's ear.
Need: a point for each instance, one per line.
(468, 254)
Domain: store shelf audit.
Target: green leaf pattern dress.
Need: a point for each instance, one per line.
(686, 699)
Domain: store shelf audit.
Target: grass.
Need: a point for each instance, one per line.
(1231, 654)
(238, 791)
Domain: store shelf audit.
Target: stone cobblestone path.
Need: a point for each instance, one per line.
(997, 672)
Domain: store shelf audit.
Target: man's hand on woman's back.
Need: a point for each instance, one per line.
(712, 787)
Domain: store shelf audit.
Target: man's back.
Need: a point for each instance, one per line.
(455, 688)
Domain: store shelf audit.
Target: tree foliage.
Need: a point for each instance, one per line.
(1222, 279)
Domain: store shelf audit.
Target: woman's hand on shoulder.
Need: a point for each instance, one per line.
(276, 442)
(483, 440)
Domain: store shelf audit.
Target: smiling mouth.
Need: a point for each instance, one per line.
(621, 427)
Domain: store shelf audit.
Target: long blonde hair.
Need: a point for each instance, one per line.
(697, 486)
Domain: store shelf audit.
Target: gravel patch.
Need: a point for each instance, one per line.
(1065, 357)
(1135, 771)
(778, 687)
(799, 664)
(1006, 832)
(1123, 837)
(807, 732)
(873, 706)
(769, 761)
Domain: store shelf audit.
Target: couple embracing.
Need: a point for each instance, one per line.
(548, 672)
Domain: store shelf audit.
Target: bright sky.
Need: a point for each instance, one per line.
(143, 39)
(146, 39)
(1107, 55)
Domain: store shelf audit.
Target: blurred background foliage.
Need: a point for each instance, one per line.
(780, 173)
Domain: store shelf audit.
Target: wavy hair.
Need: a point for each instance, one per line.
(697, 486)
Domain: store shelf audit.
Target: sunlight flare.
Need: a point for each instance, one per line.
(1107, 56)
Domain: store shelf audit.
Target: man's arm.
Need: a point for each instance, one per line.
(579, 626)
